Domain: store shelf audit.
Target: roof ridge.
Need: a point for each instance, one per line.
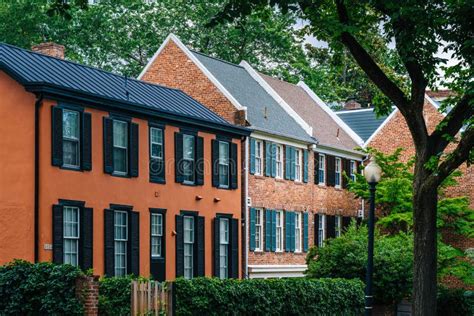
(216, 58)
(88, 66)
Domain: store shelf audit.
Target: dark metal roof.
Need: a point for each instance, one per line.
(37, 70)
(263, 112)
(363, 122)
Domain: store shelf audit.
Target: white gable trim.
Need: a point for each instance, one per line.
(207, 73)
(359, 141)
(276, 97)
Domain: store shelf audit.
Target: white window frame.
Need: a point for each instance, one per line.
(259, 228)
(298, 234)
(337, 172)
(73, 139)
(279, 162)
(322, 169)
(224, 248)
(224, 162)
(156, 235)
(160, 144)
(352, 167)
(191, 160)
(258, 157)
(338, 225)
(72, 240)
(121, 147)
(321, 230)
(298, 165)
(189, 244)
(279, 231)
(120, 241)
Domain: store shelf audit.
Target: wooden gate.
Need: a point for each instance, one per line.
(150, 298)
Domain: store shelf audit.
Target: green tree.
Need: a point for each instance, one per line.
(418, 30)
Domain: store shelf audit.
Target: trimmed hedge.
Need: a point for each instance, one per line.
(114, 295)
(206, 296)
(39, 289)
(455, 302)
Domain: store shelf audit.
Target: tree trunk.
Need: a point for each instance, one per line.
(425, 200)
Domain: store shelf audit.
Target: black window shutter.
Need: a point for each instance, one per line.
(346, 221)
(268, 158)
(316, 229)
(234, 176)
(216, 242)
(252, 155)
(316, 168)
(268, 230)
(158, 265)
(200, 254)
(234, 249)
(305, 166)
(57, 136)
(287, 162)
(134, 243)
(330, 226)
(86, 141)
(108, 145)
(179, 246)
(87, 224)
(199, 160)
(178, 155)
(252, 229)
(331, 173)
(215, 162)
(287, 231)
(109, 251)
(58, 242)
(134, 140)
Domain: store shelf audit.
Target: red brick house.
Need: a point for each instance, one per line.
(295, 195)
(105, 172)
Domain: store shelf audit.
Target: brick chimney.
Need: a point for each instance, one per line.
(50, 48)
(352, 105)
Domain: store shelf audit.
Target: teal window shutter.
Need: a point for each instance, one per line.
(252, 155)
(273, 230)
(287, 232)
(293, 163)
(292, 228)
(252, 229)
(305, 166)
(268, 159)
(268, 230)
(287, 162)
(274, 152)
(305, 232)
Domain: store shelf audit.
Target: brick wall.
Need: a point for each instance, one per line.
(87, 290)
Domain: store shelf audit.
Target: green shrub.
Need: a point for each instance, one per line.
(206, 296)
(41, 288)
(114, 295)
(453, 302)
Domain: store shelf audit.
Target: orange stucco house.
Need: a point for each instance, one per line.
(114, 174)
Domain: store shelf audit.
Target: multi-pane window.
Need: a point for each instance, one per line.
(298, 164)
(279, 161)
(188, 228)
(71, 235)
(321, 230)
(338, 226)
(322, 169)
(298, 232)
(188, 158)
(352, 170)
(258, 229)
(337, 172)
(120, 154)
(279, 231)
(71, 138)
(258, 157)
(156, 143)
(156, 234)
(224, 164)
(224, 248)
(120, 242)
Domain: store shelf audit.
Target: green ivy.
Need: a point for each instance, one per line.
(297, 296)
(39, 289)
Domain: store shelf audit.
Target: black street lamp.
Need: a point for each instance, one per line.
(372, 173)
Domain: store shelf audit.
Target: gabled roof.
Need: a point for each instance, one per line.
(363, 121)
(38, 72)
(263, 112)
(325, 128)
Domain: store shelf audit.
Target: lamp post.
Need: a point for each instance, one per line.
(372, 173)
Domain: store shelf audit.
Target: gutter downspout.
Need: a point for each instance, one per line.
(38, 103)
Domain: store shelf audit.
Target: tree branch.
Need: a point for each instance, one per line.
(451, 124)
(457, 157)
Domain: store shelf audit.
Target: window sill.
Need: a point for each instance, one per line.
(258, 176)
(280, 180)
(299, 182)
(323, 185)
(120, 175)
(189, 184)
(72, 168)
(157, 181)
